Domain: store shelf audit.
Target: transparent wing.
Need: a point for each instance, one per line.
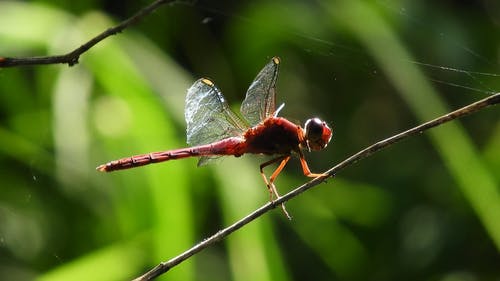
(260, 100)
(209, 117)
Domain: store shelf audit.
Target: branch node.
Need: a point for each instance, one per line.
(73, 61)
(72, 58)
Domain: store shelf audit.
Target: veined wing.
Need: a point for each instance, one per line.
(260, 100)
(208, 116)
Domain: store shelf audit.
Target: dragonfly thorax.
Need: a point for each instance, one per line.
(317, 134)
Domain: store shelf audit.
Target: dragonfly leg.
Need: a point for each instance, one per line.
(305, 168)
(270, 184)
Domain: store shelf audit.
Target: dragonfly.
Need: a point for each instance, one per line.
(214, 130)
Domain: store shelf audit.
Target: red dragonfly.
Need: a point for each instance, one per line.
(214, 130)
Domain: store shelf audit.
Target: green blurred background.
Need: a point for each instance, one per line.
(424, 209)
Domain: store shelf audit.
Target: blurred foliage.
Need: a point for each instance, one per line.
(425, 209)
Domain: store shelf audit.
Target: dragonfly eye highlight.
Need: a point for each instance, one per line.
(317, 134)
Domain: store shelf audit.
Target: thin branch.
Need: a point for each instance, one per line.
(220, 235)
(72, 57)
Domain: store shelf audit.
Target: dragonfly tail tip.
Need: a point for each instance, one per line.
(101, 168)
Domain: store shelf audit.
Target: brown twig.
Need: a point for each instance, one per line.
(220, 235)
(72, 57)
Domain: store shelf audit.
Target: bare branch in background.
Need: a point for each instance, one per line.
(376, 147)
(72, 57)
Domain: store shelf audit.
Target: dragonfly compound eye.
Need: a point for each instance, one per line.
(318, 134)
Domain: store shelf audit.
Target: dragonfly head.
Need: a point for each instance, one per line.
(317, 134)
